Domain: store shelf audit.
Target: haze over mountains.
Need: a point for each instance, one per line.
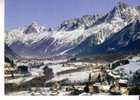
(116, 31)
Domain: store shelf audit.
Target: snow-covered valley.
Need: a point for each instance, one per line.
(90, 55)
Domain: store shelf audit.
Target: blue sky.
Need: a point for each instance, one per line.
(52, 13)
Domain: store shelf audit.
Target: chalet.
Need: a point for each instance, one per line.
(23, 69)
(119, 63)
(123, 83)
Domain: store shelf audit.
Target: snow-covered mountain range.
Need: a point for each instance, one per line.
(116, 31)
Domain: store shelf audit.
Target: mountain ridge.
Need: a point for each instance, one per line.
(38, 41)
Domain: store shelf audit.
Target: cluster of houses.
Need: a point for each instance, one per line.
(13, 68)
(101, 77)
(105, 81)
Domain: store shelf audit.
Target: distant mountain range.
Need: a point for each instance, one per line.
(116, 31)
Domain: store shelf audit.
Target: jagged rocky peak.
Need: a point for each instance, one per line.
(89, 20)
(34, 27)
(85, 21)
(119, 10)
(69, 25)
(121, 5)
(123, 11)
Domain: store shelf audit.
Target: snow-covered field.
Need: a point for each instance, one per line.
(59, 67)
(132, 67)
(72, 77)
(19, 80)
(37, 71)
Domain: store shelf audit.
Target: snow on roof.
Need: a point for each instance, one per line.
(115, 76)
(123, 81)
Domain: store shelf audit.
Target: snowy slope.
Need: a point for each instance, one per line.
(126, 40)
(133, 67)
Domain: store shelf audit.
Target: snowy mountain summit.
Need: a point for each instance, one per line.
(34, 28)
(73, 36)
